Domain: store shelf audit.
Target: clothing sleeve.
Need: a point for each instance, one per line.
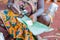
(40, 7)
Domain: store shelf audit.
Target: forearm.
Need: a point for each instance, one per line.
(39, 12)
(40, 8)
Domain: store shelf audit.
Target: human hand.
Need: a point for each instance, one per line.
(33, 17)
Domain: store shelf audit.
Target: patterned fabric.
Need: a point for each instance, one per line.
(15, 28)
